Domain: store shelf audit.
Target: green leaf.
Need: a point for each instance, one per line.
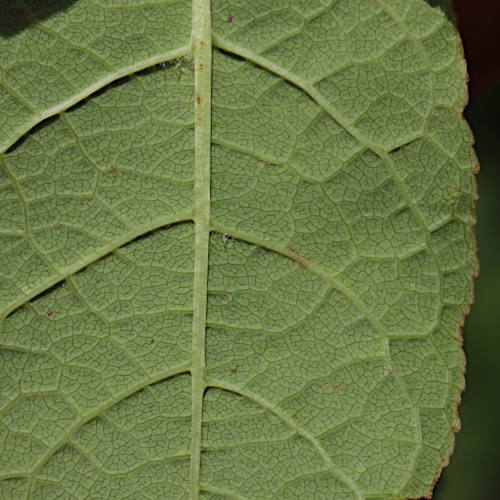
(234, 263)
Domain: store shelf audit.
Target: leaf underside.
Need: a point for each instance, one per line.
(235, 259)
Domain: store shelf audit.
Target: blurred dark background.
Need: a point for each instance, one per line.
(474, 472)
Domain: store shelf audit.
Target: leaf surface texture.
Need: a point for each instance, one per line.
(236, 248)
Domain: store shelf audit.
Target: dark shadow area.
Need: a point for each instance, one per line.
(160, 230)
(167, 66)
(34, 130)
(478, 23)
(473, 469)
(19, 15)
(230, 55)
(46, 293)
(444, 5)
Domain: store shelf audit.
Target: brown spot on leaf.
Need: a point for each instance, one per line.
(297, 257)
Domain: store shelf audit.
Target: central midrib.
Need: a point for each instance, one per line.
(202, 53)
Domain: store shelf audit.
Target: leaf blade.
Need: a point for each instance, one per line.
(339, 254)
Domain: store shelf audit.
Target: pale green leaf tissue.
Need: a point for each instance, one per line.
(236, 248)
